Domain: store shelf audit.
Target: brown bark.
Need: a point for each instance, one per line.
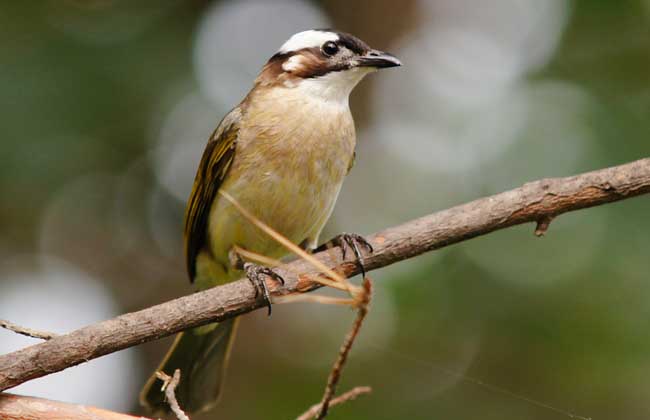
(18, 407)
(537, 202)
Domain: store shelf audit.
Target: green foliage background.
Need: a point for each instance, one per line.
(563, 320)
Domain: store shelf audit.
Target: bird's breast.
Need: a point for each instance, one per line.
(288, 168)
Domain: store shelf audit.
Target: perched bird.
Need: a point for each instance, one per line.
(282, 154)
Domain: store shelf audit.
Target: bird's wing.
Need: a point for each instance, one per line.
(216, 161)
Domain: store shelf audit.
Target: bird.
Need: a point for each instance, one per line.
(282, 154)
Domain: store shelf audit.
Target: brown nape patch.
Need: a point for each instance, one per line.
(272, 70)
(307, 63)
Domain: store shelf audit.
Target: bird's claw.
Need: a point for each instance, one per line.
(354, 242)
(254, 272)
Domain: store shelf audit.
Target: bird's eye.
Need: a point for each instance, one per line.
(330, 48)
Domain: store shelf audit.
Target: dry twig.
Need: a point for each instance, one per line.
(359, 298)
(41, 335)
(337, 369)
(169, 388)
(335, 279)
(529, 203)
(346, 396)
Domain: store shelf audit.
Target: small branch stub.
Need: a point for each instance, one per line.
(543, 225)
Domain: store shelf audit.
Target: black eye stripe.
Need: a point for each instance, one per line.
(353, 43)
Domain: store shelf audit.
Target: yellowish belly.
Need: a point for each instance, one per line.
(286, 171)
(294, 208)
(293, 195)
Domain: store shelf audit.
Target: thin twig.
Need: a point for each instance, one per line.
(335, 374)
(272, 262)
(525, 204)
(315, 298)
(346, 396)
(41, 335)
(337, 281)
(360, 298)
(254, 256)
(169, 387)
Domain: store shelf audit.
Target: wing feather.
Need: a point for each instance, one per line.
(214, 165)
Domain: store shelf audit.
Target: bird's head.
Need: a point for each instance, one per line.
(324, 63)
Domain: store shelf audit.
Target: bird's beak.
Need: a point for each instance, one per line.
(378, 59)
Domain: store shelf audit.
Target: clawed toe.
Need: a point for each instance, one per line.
(255, 274)
(354, 242)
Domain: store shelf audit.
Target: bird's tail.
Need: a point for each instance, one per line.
(202, 356)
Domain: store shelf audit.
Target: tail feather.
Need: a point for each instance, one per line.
(202, 355)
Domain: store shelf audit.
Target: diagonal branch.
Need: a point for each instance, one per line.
(335, 374)
(538, 202)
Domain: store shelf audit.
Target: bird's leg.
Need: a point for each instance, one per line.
(349, 240)
(255, 273)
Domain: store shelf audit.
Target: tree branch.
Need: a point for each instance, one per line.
(18, 407)
(538, 202)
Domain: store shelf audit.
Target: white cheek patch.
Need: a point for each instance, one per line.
(307, 39)
(294, 63)
(333, 88)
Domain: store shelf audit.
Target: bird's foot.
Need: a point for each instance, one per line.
(354, 242)
(255, 274)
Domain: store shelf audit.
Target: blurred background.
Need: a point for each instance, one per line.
(104, 112)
